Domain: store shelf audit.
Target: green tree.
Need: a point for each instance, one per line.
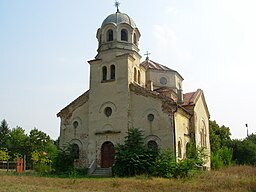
(4, 134)
(18, 142)
(221, 153)
(132, 157)
(4, 154)
(39, 140)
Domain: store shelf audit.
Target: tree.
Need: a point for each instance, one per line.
(132, 157)
(38, 140)
(18, 142)
(4, 133)
(221, 153)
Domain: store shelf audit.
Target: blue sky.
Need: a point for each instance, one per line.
(45, 46)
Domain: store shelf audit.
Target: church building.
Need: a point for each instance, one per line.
(125, 92)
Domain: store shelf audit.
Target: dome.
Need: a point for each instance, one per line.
(118, 18)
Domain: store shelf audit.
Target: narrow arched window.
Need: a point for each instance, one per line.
(179, 149)
(152, 145)
(134, 39)
(124, 35)
(110, 35)
(112, 72)
(104, 73)
(75, 151)
(135, 74)
(139, 77)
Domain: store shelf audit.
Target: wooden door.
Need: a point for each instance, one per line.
(107, 154)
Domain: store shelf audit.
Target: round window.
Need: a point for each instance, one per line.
(108, 111)
(163, 80)
(151, 117)
(75, 124)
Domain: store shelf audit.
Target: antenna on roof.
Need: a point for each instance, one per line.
(147, 58)
(117, 4)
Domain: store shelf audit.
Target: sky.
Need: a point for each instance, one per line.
(45, 46)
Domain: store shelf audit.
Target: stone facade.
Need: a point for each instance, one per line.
(127, 93)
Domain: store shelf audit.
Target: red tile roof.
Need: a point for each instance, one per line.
(192, 97)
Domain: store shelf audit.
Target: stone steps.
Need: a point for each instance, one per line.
(102, 172)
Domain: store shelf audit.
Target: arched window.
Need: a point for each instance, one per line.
(203, 135)
(104, 73)
(179, 149)
(112, 72)
(110, 35)
(75, 151)
(134, 39)
(152, 145)
(135, 74)
(139, 77)
(124, 35)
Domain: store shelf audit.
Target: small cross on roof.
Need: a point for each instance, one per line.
(117, 4)
(147, 58)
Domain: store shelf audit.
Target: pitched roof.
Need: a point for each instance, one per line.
(152, 65)
(74, 104)
(190, 99)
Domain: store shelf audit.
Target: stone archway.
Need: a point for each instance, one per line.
(107, 154)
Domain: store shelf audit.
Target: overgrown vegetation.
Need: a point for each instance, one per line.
(133, 158)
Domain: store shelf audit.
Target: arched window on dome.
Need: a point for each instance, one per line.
(110, 35)
(112, 72)
(124, 35)
(138, 76)
(134, 39)
(104, 73)
(135, 75)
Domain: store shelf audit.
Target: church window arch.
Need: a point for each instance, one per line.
(203, 134)
(152, 145)
(112, 72)
(138, 76)
(104, 73)
(134, 39)
(151, 117)
(108, 111)
(135, 74)
(110, 35)
(124, 35)
(75, 124)
(179, 150)
(75, 150)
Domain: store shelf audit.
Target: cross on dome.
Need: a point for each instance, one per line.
(147, 54)
(117, 4)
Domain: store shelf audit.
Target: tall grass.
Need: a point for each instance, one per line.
(235, 179)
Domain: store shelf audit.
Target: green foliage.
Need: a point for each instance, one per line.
(4, 133)
(244, 151)
(64, 160)
(167, 166)
(4, 154)
(41, 162)
(221, 152)
(222, 157)
(132, 158)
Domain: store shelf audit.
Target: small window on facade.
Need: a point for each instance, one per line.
(112, 72)
(110, 35)
(134, 39)
(152, 145)
(135, 74)
(139, 77)
(179, 149)
(108, 111)
(75, 150)
(75, 124)
(124, 35)
(104, 73)
(151, 117)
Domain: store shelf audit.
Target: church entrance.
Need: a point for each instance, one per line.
(107, 154)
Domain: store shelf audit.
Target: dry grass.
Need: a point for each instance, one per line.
(235, 179)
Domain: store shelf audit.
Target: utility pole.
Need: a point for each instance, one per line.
(246, 125)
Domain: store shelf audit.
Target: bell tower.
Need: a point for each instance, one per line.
(116, 65)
